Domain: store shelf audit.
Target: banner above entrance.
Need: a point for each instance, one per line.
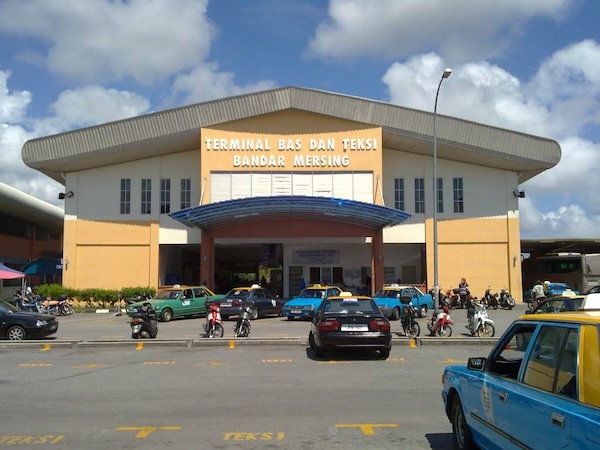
(229, 212)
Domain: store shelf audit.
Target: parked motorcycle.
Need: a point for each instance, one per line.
(213, 328)
(408, 318)
(506, 300)
(63, 307)
(242, 326)
(441, 324)
(480, 324)
(144, 323)
(487, 298)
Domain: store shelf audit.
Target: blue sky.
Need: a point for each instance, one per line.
(531, 66)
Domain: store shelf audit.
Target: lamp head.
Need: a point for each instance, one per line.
(447, 73)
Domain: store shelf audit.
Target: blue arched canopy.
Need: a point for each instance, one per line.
(229, 212)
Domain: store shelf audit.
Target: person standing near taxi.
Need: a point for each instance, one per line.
(537, 294)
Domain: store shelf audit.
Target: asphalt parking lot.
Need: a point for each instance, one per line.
(108, 329)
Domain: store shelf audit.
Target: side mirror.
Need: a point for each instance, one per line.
(477, 363)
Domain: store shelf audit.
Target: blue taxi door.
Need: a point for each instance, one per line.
(547, 394)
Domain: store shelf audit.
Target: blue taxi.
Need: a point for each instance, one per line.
(539, 388)
(392, 298)
(305, 304)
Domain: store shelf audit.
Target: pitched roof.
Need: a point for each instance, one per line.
(177, 130)
(27, 207)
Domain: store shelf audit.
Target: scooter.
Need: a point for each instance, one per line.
(242, 326)
(480, 323)
(441, 324)
(144, 323)
(488, 298)
(213, 328)
(506, 300)
(410, 326)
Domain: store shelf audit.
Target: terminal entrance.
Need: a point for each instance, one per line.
(245, 264)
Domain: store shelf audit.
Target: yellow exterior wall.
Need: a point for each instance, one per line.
(110, 255)
(485, 251)
(289, 134)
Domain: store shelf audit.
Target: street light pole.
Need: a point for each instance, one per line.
(436, 284)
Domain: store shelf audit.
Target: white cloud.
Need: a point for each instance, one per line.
(459, 30)
(207, 83)
(560, 102)
(97, 40)
(92, 105)
(13, 106)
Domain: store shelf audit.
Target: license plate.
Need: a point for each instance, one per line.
(296, 311)
(225, 305)
(355, 328)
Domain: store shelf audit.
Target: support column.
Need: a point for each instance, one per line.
(207, 260)
(377, 262)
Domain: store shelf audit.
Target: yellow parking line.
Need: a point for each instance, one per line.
(140, 346)
(231, 344)
(46, 348)
(412, 343)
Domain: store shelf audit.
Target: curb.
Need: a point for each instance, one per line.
(225, 342)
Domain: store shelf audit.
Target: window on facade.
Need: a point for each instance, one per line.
(165, 196)
(146, 196)
(399, 194)
(458, 195)
(419, 195)
(440, 195)
(186, 193)
(125, 195)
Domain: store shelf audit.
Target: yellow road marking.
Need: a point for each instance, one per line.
(89, 366)
(451, 361)
(367, 428)
(276, 360)
(140, 346)
(231, 344)
(144, 432)
(212, 363)
(158, 363)
(46, 348)
(412, 343)
(35, 364)
(395, 359)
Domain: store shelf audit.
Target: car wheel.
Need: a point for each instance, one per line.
(135, 335)
(463, 439)
(254, 313)
(16, 334)
(315, 348)
(166, 315)
(423, 311)
(384, 353)
(395, 314)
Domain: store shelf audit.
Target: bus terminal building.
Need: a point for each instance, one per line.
(286, 185)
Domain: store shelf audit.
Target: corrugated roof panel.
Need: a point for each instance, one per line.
(178, 130)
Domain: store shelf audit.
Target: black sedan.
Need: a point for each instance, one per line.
(350, 321)
(261, 302)
(17, 325)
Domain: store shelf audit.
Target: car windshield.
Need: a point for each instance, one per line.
(577, 302)
(5, 306)
(171, 293)
(388, 293)
(312, 293)
(354, 306)
(238, 294)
